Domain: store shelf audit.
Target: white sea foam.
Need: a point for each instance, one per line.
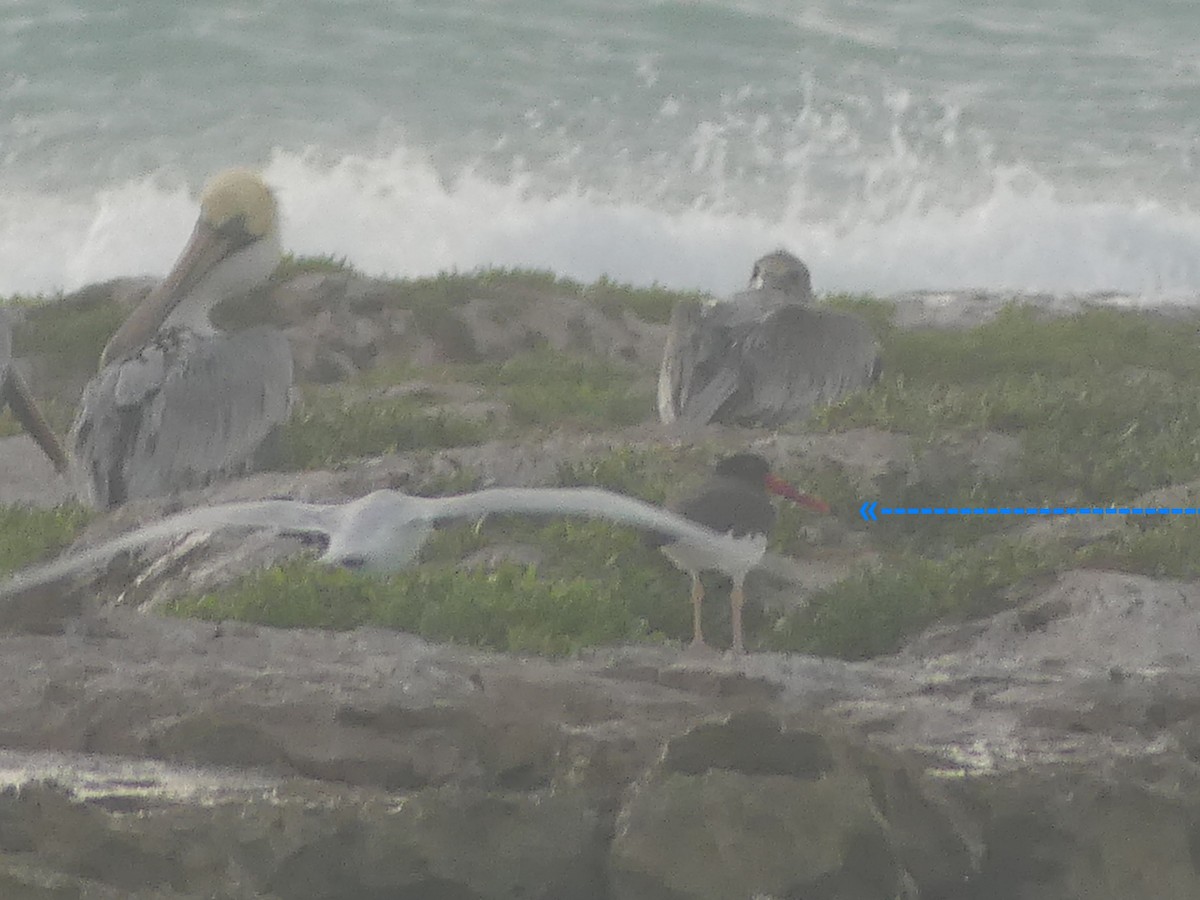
(396, 215)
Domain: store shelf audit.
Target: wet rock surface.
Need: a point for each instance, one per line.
(167, 758)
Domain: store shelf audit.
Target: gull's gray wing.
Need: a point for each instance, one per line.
(586, 502)
(721, 551)
(184, 410)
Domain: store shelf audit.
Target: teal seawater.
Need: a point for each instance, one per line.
(934, 144)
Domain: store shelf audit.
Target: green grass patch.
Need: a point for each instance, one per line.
(873, 612)
(77, 333)
(1161, 548)
(329, 430)
(626, 470)
(937, 535)
(879, 314)
(32, 535)
(652, 304)
(544, 388)
(323, 264)
(510, 609)
(1105, 403)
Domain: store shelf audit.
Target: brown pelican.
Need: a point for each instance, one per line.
(764, 357)
(15, 393)
(177, 403)
(384, 531)
(736, 502)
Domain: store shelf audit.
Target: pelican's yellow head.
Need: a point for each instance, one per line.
(239, 194)
(234, 247)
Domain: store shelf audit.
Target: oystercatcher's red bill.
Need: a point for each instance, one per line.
(777, 485)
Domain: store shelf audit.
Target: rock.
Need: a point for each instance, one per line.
(747, 808)
(27, 478)
(371, 763)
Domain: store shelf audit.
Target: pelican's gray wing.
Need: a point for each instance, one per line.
(797, 359)
(182, 411)
(15, 393)
(280, 515)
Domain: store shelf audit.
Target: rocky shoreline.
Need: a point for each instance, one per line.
(153, 757)
(1049, 751)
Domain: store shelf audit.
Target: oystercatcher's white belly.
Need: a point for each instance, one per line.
(735, 559)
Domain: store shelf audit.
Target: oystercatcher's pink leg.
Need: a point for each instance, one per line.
(737, 599)
(697, 602)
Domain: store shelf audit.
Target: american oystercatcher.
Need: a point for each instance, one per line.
(736, 501)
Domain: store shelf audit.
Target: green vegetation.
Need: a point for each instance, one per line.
(1102, 405)
(328, 430)
(1161, 547)
(31, 535)
(649, 473)
(540, 388)
(324, 264)
(1106, 403)
(511, 608)
(1095, 408)
(546, 388)
(76, 334)
(652, 304)
(873, 611)
(879, 314)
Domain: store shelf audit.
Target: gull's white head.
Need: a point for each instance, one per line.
(233, 248)
(782, 271)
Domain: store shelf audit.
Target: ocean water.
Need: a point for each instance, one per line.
(1044, 145)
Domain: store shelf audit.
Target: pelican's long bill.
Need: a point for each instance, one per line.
(778, 486)
(207, 246)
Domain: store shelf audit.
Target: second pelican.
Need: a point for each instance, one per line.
(177, 403)
(766, 356)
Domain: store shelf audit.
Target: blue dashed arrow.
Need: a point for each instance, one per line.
(870, 514)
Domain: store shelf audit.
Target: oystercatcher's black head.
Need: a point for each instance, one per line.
(748, 467)
(752, 469)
